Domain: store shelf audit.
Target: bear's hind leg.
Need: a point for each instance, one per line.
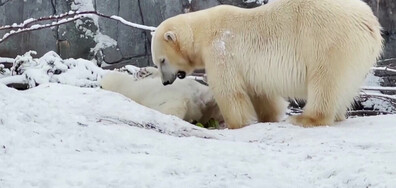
(350, 90)
(269, 109)
(322, 100)
(176, 108)
(341, 115)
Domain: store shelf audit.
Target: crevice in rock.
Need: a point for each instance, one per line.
(127, 58)
(124, 61)
(94, 4)
(56, 30)
(53, 4)
(117, 24)
(5, 2)
(145, 35)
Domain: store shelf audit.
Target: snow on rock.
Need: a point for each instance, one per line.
(102, 42)
(84, 5)
(259, 2)
(144, 27)
(64, 136)
(6, 60)
(51, 68)
(4, 72)
(255, 1)
(374, 103)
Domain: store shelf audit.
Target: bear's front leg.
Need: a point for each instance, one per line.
(236, 108)
(232, 99)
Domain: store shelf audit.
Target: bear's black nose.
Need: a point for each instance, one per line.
(181, 74)
(166, 83)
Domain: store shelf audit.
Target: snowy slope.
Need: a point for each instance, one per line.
(65, 136)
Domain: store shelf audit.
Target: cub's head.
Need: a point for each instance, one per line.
(171, 49)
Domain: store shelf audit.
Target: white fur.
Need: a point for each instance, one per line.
(318, 50)
(186, 99)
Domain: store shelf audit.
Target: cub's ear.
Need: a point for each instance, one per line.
(170, 36)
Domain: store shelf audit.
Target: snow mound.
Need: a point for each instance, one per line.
(64, 136)
(52, 68)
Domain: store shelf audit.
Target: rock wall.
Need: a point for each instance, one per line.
(384, 9)
(133, 45)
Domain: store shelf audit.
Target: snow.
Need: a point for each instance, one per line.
(260, 2)
(58, 135)
(4, 72)
(378, 88)
(6, 60)
(373, 82)
(102, 42)
(24, 28)
(220, 44)
(384, 69)
(122, 20)
(52, 68)
(379, 95)
(84, 5)
(254, 1)
(12, 79)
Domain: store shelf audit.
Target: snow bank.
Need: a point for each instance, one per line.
(64, 136)
(51, 68)
(375, 103)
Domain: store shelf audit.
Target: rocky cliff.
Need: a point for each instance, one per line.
(95, 38)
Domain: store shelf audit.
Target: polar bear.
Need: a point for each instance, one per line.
(316, 50)
(186, 99)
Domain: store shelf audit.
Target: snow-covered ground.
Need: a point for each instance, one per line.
(57, 135)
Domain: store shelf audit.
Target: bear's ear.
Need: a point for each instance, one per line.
(170, 36)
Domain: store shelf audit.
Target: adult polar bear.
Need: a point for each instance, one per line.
(318, 50)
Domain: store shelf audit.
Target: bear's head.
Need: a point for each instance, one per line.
(172, 49)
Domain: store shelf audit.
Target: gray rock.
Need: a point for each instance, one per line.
(12, 46)
(43, 40)
(112, 55)
(240, 3)
(203, 4)
(156, 11)
(72, 40)
(107, 26)
(137, 61)
(131, 41)
(384, 10)
(171, 8)
(390, 45)
(73, 43)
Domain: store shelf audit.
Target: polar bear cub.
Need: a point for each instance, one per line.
(186, 99)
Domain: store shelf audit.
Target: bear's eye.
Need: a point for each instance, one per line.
(162, 61)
